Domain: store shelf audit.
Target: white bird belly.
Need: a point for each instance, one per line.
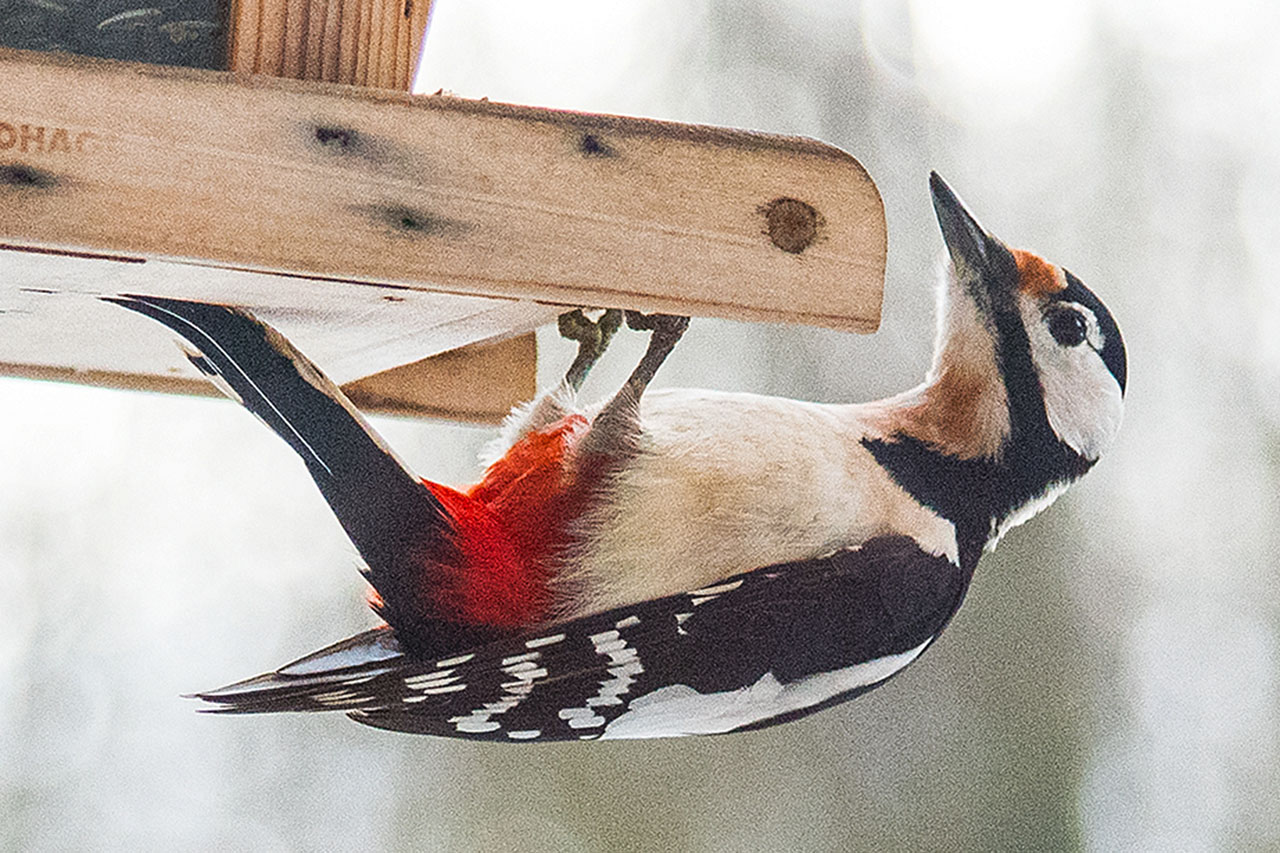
(726, 483)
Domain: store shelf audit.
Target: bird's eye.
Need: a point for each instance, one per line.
(1067, 326)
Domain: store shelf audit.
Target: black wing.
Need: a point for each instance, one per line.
(758, 649)
(396, 524)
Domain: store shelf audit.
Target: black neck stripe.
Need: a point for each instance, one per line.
(976, 494)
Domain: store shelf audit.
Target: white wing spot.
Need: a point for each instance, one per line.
(621, 656)
(521, 666)
(452, 688)
(527, 656)
(525, 734)
(626, 666)
(454, 661)
(336, 697)
(627, 623)
(543, 641)
(630, 669)
(581, 718)
(718, 589)
(524, 684)
(586, 722)
(433, 679)
(469, 726)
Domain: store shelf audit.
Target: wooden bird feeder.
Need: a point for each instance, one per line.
(409, 244)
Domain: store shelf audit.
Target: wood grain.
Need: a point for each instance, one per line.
(242, 49)
(476, 384)
(367, 42)
(435, 193)
(349, 32)
(53, 326)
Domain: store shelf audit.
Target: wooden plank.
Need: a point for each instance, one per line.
(326, 39)
(476, 383)
(294, 45)
(403, 51)
(242, 46)
(270, 27)
(419, 22)
(435, 193)
(331, 43)
(49, 316)
(351, 30)
(365, 40)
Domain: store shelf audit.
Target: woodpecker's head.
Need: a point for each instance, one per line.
(1053, 346)
(1025, 393)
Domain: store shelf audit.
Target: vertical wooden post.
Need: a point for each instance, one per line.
(359, 42)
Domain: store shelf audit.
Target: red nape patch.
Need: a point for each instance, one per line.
(512, 527)
(1036, 275)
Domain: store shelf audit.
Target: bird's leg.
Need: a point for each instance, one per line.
(615, 431)
(556, 403)
(593, 339)
(667, 330)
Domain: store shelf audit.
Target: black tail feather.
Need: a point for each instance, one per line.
(396, 524)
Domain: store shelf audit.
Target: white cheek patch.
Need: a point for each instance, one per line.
(1082, 399)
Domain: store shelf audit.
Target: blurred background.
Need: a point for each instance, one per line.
(1110, 684)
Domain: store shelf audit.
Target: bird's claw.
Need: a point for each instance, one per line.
(592, 337)
(667, 324)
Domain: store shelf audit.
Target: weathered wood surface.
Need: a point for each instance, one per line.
(398, 351)
(360, 42)
(434, 193)
(382, 228)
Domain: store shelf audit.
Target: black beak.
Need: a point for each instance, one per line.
(968, 242)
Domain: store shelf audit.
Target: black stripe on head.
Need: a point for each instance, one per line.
(999, 291)
(977, 494)
(1113, 352)
(989, 274)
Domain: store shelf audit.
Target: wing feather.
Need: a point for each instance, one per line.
(763, 647)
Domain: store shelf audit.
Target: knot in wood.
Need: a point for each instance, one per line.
(791, 224)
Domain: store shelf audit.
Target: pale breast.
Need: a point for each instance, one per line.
(728, 483)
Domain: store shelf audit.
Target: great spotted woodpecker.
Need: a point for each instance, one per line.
(684, 562)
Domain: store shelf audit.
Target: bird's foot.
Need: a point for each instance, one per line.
(667, 330)
(592, 337)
